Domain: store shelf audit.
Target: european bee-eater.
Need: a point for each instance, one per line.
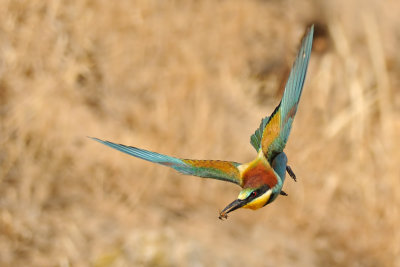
(261, 179)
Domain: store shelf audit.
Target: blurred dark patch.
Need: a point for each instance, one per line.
(322, 40)
(273, 74)
(29, 72)
(270, 76)
(90, 81)
(393, 66)
(5, 93)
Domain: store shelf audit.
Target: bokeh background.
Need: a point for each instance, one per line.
(193, 79)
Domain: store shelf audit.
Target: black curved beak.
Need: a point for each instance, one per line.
(238, 203)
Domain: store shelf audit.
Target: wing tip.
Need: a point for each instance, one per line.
(307, 39)
(311, 28)
(97, 139)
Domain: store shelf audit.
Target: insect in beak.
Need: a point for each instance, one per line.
(236, 204)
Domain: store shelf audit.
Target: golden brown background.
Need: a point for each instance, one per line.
(193, 79)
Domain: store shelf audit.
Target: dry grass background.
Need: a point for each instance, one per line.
(193, 79)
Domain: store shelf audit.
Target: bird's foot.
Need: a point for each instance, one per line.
(283, 193)
(291, 173)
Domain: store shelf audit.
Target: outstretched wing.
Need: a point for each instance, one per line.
(216, 169)
(276, 128)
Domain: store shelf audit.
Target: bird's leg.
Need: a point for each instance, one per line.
(291, 173)
(283, 193)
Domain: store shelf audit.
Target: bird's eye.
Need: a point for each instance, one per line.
(254, 194)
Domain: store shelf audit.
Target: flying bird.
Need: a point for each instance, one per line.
(261, 179)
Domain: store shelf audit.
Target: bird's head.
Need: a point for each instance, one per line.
(250, 198)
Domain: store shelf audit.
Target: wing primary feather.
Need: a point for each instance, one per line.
(141, 153)
(277, 129)
(294, 87)
(220, 170)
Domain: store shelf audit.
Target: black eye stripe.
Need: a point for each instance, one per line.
(258, 192)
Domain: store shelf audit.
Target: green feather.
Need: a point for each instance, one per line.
(255, 139)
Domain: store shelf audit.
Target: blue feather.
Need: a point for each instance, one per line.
(287, 108)
(202, 168)
(294, 86)
(145, 154)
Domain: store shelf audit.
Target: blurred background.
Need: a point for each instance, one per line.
(193, 79)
